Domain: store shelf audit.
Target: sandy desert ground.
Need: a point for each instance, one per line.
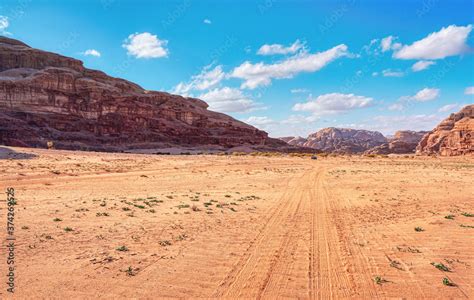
(92, 225)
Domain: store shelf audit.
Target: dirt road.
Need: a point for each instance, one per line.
(120, 225)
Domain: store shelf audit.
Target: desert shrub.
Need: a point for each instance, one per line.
(447, 282)
(440, 266)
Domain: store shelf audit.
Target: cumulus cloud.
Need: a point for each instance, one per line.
(4, 23)
(145, 45)
(448, 107)
(388, 44)
(469, 90)
(449, 41)
(390, 73)
(207, 21)
(261, 74)
(422, 65)
(207, 79)
(424, 95)
(334, 103)
(229, 100)
(92, 52)
(280, 49)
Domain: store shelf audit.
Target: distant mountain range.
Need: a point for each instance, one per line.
(453, 136)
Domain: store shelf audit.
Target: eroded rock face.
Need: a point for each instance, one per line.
(453, 136)
(49, 97)
(294, 141)
(403, 142)
(343, 140)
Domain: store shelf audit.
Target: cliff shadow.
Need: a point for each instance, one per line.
(7, 153)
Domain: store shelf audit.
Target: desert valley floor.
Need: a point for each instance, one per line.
(91, 225)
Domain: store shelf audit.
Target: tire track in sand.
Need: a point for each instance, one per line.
(298, 253)
(250, 276)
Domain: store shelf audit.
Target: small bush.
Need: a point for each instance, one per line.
(447, 282)
(440, 266)
(122, 249)
(379, 280)
(419, 229)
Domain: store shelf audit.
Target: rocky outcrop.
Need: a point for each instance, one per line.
(403, 142)
(294, 141)
(48, 97)
(453, 136)
(343, 140)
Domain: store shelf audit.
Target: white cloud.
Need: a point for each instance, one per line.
(448, 107)
(207, 21)
(145, 45)
(4, 23)
(299, 91)
(92, 52)
(426, 94)
(390, 124)
(449, 41)
(334, 103)
(280, 49)
(207, 79)
(372, 47)
(388, 44)
(229, 100)
(469, 90)
(422, 65)
(390, 73)
(259, 121)
(261, 74)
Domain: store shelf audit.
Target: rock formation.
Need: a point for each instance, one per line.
(339, 140)
(48, 97)
(344, 140)
(403, 142)
(294, 141)
(453, 136)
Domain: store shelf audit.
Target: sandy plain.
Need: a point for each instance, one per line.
(102, 225)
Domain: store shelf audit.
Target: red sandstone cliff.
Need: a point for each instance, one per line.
(453, 136)
(48, 97)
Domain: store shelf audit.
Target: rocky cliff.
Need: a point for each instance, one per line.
(339, 140)
(403, 142)
(453, 136)
(48, 97)
(294, 141)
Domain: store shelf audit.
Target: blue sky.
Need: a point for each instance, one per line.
(288, 67)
